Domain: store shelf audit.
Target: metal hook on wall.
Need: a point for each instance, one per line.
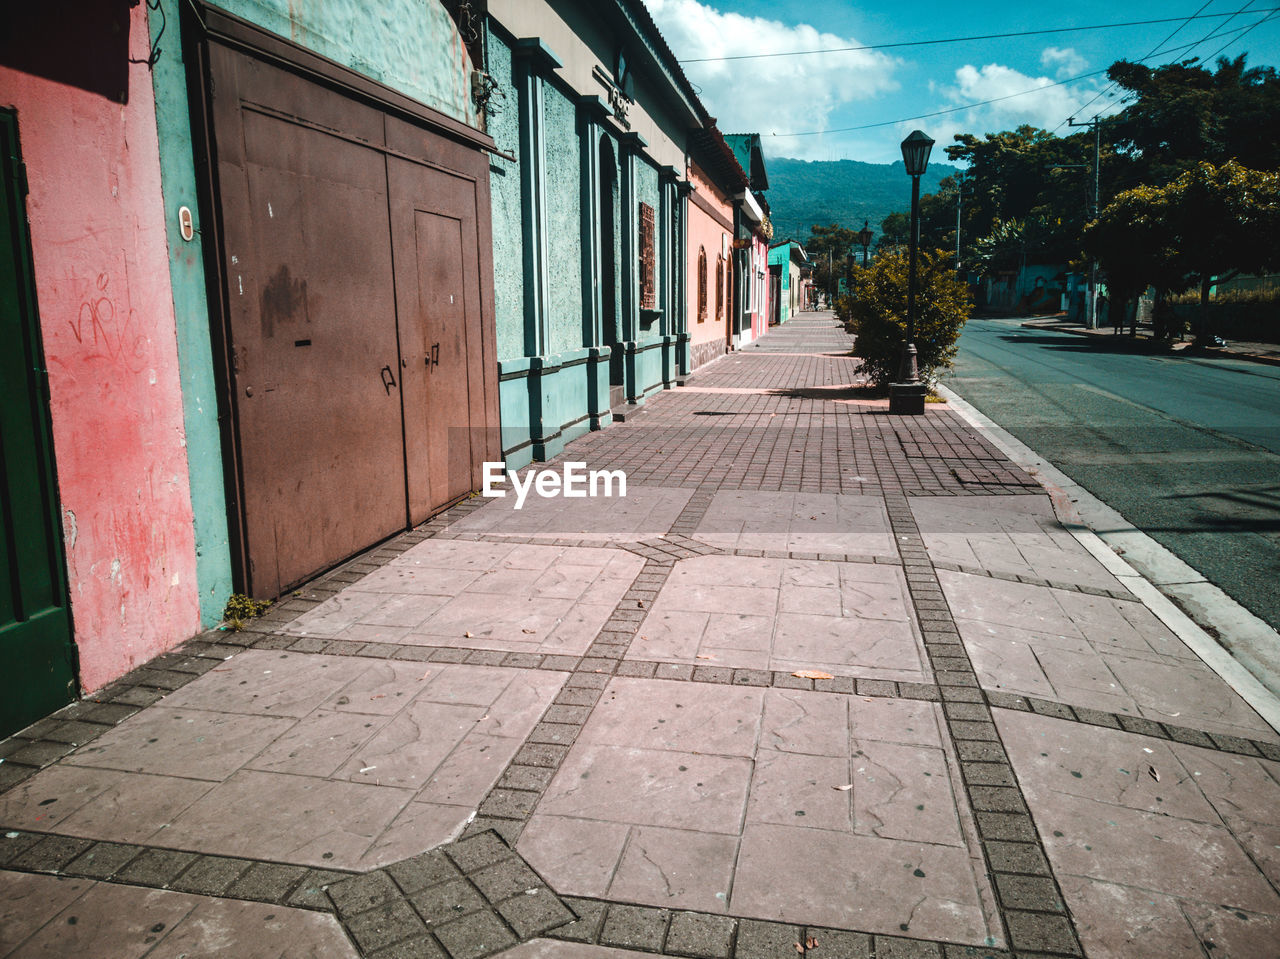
(154, 56)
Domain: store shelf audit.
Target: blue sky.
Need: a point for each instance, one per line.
(822, 95)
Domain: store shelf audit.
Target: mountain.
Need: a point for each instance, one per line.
(804, 192)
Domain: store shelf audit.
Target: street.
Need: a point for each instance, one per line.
(1185, 448)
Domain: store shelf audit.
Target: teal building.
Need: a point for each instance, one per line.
(590, 116)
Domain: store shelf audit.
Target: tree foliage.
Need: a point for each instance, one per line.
(1183, 113)
(1027, 196)
(829, 249)
(876, 314)
(1210, 223)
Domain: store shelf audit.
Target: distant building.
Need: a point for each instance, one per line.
(714, 177)
(786, 261)
(753, 231)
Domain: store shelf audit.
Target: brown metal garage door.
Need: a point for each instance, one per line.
(354, 261)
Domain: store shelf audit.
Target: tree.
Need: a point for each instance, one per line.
(895, 230)
(876, 314)
(1026, 176)
(1183, 113)
(1212, 222)
(1030, 176)
(829, 247)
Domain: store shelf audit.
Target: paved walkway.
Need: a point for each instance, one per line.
(824, 682)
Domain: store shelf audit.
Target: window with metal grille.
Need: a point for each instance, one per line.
(702, 284)
(648, 295)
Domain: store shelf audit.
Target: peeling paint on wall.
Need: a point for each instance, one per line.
(411, 45)
(564, 221)
(504, 191)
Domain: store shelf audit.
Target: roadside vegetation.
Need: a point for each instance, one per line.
(876, 313)
(1188, 189)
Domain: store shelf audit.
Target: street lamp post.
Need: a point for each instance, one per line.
(907, 395)
(863, 239)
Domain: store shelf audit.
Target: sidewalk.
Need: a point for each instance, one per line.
(825, 682)
(1268, 353)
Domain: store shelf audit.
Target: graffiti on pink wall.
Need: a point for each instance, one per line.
(99, 247)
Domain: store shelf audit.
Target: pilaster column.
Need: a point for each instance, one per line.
(533, 60)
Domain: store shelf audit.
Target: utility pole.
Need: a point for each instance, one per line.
(959, 197)
(1096, 124)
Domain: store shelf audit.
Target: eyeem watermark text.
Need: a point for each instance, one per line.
(574, 482)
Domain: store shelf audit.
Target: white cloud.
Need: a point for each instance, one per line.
(776, 95)
(1039, 102)
(1068, 62)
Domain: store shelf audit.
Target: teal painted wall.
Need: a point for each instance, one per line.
(191, 312)
(402, 43)
(504, 191)
(615, 198)
(564, 223)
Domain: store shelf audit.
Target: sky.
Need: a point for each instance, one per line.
(859, 105)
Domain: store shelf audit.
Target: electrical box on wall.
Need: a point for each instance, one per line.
(186, 224)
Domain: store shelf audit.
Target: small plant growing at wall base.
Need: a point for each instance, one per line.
(876, 313)
(240, 608)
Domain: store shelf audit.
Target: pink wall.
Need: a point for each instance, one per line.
(706, 233)
(106, 312)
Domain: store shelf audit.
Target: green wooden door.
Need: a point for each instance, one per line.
(37, 674)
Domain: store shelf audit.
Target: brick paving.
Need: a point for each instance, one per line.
(825, 682)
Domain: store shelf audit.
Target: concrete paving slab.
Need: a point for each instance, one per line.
(756, 613)
(676, 868)
(808, 522)
(669, 795)
(1012, 534)
(802, 875)
(394, 761)
(1086, 651)
(1120, 813)
(51, 916)
(650, 787)
(645, 512)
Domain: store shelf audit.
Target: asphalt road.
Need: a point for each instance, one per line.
(1186, 448)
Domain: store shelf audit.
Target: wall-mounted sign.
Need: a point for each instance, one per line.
(619, 102)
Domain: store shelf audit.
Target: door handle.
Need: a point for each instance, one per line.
(388, 379)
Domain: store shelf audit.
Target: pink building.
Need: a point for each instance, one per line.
(714, 176)
(93, 426)
(753, 231)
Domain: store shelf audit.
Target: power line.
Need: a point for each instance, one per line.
(1154, 50)
(1233, 40)
(986, 36)
(982, 103)
(1215, 32)
(1160, 46)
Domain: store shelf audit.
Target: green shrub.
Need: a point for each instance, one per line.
(876, 313)
(1236, 314)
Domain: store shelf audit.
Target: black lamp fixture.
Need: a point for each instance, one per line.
(915, 152)
(863, 239)
(907, 395)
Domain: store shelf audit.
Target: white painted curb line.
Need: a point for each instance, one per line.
(1058, 485)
